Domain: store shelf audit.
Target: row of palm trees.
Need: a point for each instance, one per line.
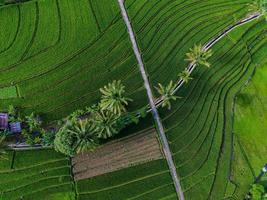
(107, 118)
(196, 55)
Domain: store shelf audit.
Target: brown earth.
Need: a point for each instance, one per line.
(132, 150)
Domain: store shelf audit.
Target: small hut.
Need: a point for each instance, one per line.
(15, 127)
(3, 121)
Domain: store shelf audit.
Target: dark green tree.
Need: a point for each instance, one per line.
(104, 123)
(75, 137)
(113, 98)
(185, 76)
(167, 93)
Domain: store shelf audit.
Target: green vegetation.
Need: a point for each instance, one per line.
(259, 6)
(83, 129)
(34, 174)
(61, 70)
(199, 126)
(199, 56)
(146, 181)
(167, 94)
(258, 192)
(113, 99)
(250, 129)
(75, 137)
(185, 76)
(8, 92)
(3, 153)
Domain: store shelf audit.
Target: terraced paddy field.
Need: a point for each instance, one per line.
(146, 181)
(250, 130)
(199, 127)
(60, 52)
(36, 174)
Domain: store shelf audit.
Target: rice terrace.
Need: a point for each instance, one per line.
(133, 99)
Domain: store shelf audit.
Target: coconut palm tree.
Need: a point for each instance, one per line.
(185, 76)
(199, 56)
(3, 154)
(86, 138)
(113, 98)
(167, 94)
(104, 123)
(75, 137)
(259, 6)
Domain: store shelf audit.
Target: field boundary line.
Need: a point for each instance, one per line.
(150, 191)
(125, 183)
(164, 141)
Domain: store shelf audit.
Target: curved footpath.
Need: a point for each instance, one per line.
(208, 46)
(154, 104)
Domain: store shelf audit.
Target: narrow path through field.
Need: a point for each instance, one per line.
(166, 148)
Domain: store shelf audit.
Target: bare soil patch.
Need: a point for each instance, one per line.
(132, 150)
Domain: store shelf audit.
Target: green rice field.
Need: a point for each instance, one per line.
(56, 54)
(36, 174)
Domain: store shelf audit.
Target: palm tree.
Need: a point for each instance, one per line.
(167, 94)
(3, 154)
(199, 56)
(75, 137)
(104, 123)
(185, 76)
(113, 98)
(259, 6)
(86, 138)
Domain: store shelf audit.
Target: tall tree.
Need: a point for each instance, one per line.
(113, 98)
(199, 56)
(104, 123)
(167, 94)
(185, 76)
(75, 137)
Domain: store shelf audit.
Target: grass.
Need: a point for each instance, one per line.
(250, 118)
(35, 174)
(8, 92)
(250, 127)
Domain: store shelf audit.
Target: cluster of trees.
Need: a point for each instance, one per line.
(84, 130)
(31, 125)
(257, 192)
(198, 56)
